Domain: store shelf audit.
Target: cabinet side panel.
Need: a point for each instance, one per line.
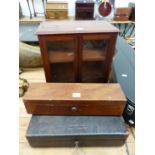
(109, 56)
(44, 54)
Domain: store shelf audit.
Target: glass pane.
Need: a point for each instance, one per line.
(61, 57)
(93, 56)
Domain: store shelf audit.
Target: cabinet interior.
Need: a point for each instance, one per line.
(62, 57)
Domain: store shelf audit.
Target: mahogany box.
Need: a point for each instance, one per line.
(122, 14)
(74, 99)
(64, 131)
(84, 9)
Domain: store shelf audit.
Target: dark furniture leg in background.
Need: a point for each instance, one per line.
(29, 9)
(34, 8)
(44, 7)
(131, 33)
(20, 11)
(124, 31)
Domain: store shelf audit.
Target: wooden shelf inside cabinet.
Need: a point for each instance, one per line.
(61, 56)
(93, 55)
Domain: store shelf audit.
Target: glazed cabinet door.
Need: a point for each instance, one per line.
(59, 55)
(96, 55)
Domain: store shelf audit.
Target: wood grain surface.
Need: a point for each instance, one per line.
(73, 27)
(74, 99)
(63, 92)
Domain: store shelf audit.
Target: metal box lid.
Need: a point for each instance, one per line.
(66, 131)
(64, 126)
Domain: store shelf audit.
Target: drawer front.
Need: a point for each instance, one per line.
(61, 15)
(56, 14)
(86, 5)
(85, 8)
(84, 14)
(121, 18)
(58, 6)
(50, 15)
(70, 141)
(91, 108)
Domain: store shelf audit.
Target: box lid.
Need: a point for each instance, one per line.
(74, 91)
(75, 27)
(63, 126)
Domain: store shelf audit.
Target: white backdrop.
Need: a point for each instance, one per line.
(71, 6)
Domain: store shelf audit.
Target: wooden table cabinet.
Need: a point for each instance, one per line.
(77, 51)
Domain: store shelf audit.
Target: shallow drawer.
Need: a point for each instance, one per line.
(57, 6)
(73, 108)
(56, 14)
(85, 5)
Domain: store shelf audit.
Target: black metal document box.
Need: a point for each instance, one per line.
(62, 131)
(123, 69)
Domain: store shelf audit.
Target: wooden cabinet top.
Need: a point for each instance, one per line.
(75, 27)
(74, 91)
(84, 1)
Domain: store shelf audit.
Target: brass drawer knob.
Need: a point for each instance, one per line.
(74, 109)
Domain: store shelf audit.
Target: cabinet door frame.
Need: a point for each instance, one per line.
(45, 56)
(111, 37)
